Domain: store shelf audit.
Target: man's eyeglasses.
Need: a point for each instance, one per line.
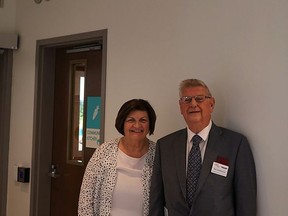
(198, 99)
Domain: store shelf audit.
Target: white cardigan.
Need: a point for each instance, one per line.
(100, 178)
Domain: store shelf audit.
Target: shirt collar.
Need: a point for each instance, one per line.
(203, 134)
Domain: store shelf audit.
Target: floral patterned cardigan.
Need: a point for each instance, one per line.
(100, 178)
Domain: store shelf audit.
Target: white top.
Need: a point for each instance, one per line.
(128, 192)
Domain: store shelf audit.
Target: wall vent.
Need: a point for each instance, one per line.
(8, 41)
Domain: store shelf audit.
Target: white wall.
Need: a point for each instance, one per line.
(239, 48)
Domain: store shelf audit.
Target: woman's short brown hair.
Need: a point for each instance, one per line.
(135, 105)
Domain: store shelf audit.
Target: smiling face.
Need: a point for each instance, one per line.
(196, 114)
(136, 125)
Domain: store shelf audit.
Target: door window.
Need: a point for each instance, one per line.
(76, 112)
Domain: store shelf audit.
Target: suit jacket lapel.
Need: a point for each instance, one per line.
(211, 153)
(180, 158)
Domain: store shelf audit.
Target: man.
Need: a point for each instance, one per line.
(225, 184)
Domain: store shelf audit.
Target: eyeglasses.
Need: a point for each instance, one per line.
(198, 98)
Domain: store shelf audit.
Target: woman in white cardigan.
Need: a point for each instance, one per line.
(117, 178)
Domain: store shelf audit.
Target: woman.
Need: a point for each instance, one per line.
(117, 177)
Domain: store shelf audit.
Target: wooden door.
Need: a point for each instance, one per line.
(69, 159)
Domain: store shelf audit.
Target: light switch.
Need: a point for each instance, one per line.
(23, 174)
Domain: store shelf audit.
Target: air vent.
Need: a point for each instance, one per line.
(84, 48)
(8, 41)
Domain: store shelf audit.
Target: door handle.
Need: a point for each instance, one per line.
(53, 172)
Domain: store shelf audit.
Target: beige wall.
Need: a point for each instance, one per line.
(238, 47)
(7, 17)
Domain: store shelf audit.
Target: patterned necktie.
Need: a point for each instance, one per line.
(193, 169)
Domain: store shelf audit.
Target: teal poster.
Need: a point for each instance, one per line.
(93, 122)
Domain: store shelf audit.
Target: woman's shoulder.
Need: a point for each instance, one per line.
(110, 143)
(151, 142)
(152, 147)
(105, 148)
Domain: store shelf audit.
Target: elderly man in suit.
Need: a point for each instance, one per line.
(211, 174)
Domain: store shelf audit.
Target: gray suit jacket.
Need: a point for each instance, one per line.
(216, 195)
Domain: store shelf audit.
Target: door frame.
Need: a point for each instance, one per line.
(5, 110)
(43, 111)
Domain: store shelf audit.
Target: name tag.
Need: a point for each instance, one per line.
(219, 169)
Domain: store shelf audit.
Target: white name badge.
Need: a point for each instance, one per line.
(219, 169)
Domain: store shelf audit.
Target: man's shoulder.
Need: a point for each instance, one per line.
(227, 131)
(228, 134)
